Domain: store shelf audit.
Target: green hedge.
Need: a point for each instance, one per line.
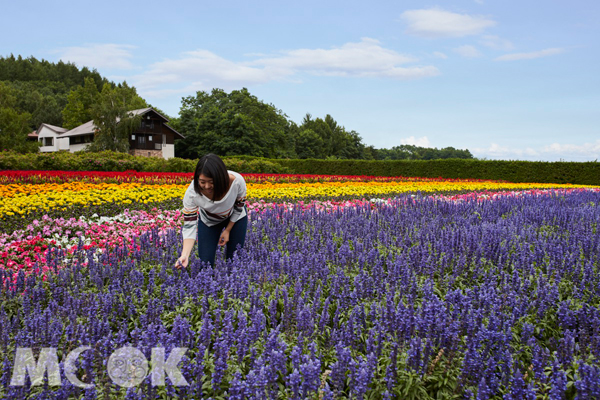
(111, 161)
(512, 171)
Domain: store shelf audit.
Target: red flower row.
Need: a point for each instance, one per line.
(37, 177)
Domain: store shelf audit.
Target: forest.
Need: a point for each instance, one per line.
(34, 91)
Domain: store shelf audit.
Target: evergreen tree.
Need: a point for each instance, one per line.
(336, 142)
(14, 126)
(42, 87)
(79, 104)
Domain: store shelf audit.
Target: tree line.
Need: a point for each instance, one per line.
(33, 92)
(238, 123)
(41, 88)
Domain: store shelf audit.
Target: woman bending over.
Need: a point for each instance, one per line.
(214, 211)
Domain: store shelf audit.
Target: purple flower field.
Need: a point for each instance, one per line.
(416, 299)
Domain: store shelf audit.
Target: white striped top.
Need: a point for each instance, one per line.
(231, 207)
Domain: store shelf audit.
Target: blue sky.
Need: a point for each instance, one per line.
(505, 79)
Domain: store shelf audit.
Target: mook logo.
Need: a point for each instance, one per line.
(126, 366)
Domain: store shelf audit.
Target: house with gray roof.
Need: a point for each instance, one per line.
(153, 138)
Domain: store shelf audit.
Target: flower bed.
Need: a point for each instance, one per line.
(487, 294)
(99, 194)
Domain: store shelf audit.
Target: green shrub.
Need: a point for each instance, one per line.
(255, 165)
(181, 165)
(10, 160)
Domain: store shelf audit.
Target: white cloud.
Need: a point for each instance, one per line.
(467, 51)
(421, 141)
(503, 152)
(109, 56)
(552, 152)
(496, 43)
(365, 58)
(531, 55)
(204, 70)
(586, 149)
(439, 54)
(437, 23)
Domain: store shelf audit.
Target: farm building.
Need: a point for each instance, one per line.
(153, 138)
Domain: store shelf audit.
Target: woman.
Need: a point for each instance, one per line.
(218, 196)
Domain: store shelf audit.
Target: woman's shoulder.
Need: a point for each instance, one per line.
(238, 178)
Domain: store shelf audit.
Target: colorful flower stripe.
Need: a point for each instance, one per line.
(38, 177)
(26, 249)
(484, 196)
(369, 189)
(25, 198)
(261, 206)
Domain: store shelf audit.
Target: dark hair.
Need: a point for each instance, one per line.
(212, 167)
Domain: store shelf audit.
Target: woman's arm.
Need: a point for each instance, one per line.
(190, 227)
(184, 259)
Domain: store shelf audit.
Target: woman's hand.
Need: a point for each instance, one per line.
(224, 238)
(182, 262)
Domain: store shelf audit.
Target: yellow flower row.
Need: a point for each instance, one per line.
(25, 198)
(30, 198)
(378, 189)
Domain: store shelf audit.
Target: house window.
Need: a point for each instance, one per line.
(141, 139)
(48, 141)
(150, 138)
(147, 124)
(132, 137)
(164, 137)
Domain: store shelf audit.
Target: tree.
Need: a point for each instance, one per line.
(412, 152)
(336, 141)
(129, 96)
(310, 144)
(82, 99)
(353, 148)
(42, 87)
(322, 129)
(233, 123)
(14, 125)
(113, 121)
(79, 104)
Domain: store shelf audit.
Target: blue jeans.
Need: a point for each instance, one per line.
(208, 238)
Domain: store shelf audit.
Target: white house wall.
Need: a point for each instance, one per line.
(62, 143)
(47, 133)
(47, 149)
(168, 151)
(78, 147)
